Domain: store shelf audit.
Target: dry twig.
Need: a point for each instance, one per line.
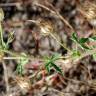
(6, 78)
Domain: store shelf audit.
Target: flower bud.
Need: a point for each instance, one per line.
(45, 27)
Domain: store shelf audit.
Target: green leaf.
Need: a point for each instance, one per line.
(55, 57)
(47, 66)
(94, 56)
(93, 38)
(83, 40)
(48, 69)
(57, 68)
(74, 37)
(23, 60)
(85, 47)
(10, 37)
(49, 63)
(75, 53)
(19, 69)
(93, 46)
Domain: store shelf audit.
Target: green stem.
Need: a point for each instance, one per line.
(16, 55)
(60, 43)
(1, 34)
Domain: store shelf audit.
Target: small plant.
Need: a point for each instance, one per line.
(21, 63)
(3, 45)
(23, 58)
(38, 77)
(50, 63)
(4, 48)
(46, 29)
(82, 43)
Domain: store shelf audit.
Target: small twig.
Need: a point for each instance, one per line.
(60, 16)
(60, 92)
(15, 55)
(87, 70)
(6, 78)
(44, 7)
(60, 43)
(11, 58)
(9, 4)
(52, 35)
(56, 13)
(33, 21)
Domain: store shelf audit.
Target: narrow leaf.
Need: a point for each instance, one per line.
(85, 47)
(55, 57)
(93, 38)
(83, 40)
(74, 37)
(57, 68)
(47, 66)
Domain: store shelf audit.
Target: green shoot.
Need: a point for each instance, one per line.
(81, 41)
(50, 63)
(21, 62)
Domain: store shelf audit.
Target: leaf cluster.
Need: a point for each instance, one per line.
(21, 62)
(50, 63)
(82, 41)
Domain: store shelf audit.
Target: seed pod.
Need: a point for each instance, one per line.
(46, 27)
(1, 15)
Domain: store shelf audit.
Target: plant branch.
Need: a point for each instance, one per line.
(56, 13)
(60, 43)
(6, 78)
(1, 35)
